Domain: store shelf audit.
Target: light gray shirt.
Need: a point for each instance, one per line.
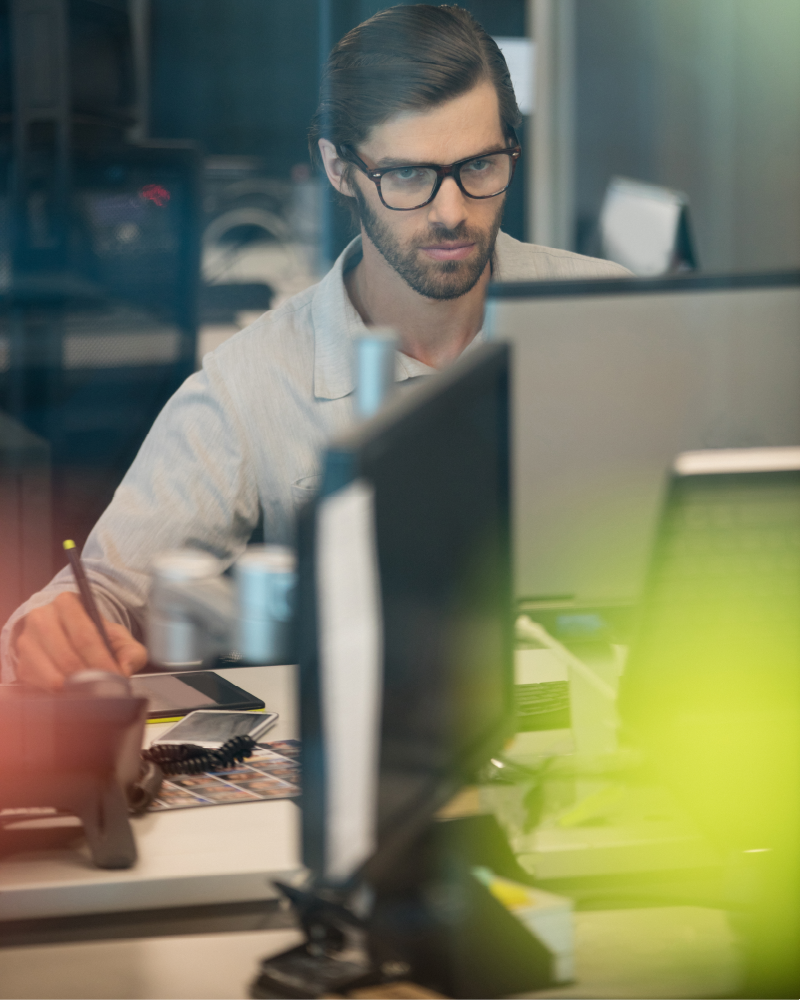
(244, 436)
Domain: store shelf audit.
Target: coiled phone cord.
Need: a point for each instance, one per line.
(186, 758)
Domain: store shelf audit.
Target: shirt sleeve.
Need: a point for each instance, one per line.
(191, 484)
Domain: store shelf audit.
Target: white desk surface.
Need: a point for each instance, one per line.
(209, 965)
(680, 951)
(188, 857)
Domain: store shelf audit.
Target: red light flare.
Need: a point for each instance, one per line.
(155, 193)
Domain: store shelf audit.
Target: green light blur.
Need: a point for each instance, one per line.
(712, 690)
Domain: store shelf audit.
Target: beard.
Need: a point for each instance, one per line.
(442, 280)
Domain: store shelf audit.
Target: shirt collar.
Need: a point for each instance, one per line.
(337, 325)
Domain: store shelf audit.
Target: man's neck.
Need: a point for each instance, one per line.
(433, 331)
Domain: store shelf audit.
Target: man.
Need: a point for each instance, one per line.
(416, 130)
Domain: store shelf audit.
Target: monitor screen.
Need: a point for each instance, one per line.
(436, 468)
(612, 379)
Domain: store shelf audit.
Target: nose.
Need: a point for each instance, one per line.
(449, 207)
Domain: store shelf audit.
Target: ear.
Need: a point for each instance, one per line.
(335, 167)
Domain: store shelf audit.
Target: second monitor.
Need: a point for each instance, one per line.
(611, 380)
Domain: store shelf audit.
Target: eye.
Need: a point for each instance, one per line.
(476, 166)
(407, 174)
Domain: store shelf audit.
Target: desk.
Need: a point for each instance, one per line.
(680, 951)
(228, 853)
(189, 857)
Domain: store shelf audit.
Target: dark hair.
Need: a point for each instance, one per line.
(406, 58)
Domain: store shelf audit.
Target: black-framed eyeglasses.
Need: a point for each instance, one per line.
(411, 186)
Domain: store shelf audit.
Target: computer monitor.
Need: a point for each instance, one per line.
(405, 616)
(612, 379)
(711, 691)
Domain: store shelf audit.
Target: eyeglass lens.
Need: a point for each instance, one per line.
(409, 187)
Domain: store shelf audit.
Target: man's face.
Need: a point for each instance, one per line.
(441, 249)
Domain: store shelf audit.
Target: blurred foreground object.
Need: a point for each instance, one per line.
(195, 612)
(375, 360)
(646, 228)
(76, 752)
(711, 693)
(406, 676)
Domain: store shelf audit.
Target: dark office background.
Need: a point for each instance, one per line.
(242, 78)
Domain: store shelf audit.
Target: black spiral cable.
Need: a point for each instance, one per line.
(186, 758)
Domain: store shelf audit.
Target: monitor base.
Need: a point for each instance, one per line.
(435, 925)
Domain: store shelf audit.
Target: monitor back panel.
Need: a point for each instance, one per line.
(436, 461)
(610, 382)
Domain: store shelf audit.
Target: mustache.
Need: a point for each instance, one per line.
(462, 232)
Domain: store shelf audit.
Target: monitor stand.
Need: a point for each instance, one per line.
(431, 923)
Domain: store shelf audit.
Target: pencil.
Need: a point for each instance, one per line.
(87, 597)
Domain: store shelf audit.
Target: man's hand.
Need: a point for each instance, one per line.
(60, 639)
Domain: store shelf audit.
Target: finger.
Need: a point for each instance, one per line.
(83, 635)
(34, 667)
(131, 655)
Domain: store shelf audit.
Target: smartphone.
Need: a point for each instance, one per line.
(213, 727)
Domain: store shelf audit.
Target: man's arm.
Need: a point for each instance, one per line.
(191, 483)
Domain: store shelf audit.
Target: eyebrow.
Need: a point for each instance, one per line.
(390, 161)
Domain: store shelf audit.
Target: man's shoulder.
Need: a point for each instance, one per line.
(271, 334)
(518, 261)
(292, 316)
